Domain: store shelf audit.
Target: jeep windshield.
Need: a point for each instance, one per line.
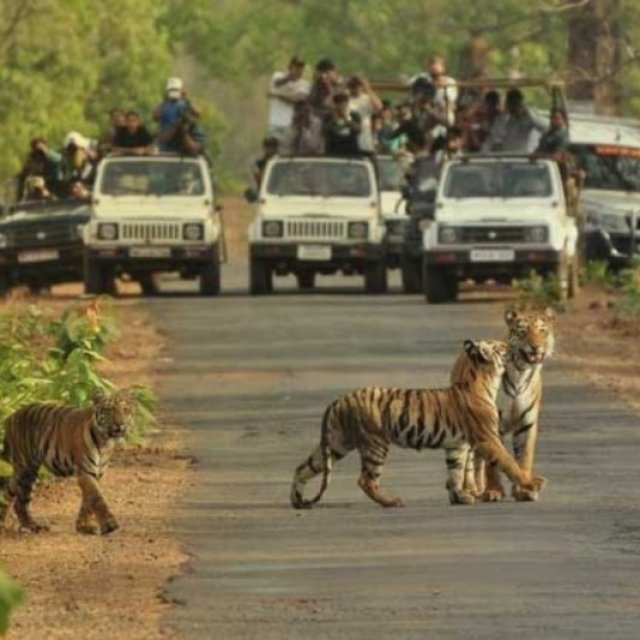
(390, 174)
(498, 180)
(325, 179)
(150, 178)
(609, 167)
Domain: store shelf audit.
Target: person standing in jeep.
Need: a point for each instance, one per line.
(342, 128)
(287, 89)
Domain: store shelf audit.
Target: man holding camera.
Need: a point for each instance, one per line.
(286, 90)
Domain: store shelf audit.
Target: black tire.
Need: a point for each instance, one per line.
(260, 277)
(210, 276)
(411, 273)
(95, 278)
(306, 280)
(4, 285)
(438, 285)
(375, 278)
(148, 284)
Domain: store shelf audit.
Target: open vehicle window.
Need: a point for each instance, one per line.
(319, 179)
(498, 180)
(390, 174)
(609, 167)
(145, 178)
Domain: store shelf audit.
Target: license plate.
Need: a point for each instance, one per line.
(492, 255)
(314, 252)
(38, 255)
(150, 252)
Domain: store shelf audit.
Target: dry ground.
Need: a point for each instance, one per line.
(91, 586)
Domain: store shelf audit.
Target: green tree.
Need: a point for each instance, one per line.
(10, 597)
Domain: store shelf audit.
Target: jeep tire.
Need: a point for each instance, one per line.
(260, 277)
(210, 276)
(438, 285)
(95, 278)
(306, 280)
(410, 270)
(375, 277)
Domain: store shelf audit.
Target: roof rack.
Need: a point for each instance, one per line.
(480, 83)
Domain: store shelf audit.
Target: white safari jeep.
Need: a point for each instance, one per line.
(151, 214)
(317, 215)
(498, 217)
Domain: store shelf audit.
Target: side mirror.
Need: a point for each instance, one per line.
(251, 195)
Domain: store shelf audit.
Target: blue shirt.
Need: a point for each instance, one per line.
(170, 112)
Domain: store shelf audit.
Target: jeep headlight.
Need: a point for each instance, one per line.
(108, 231)
(272, 229)
(537, 235)
(193, 231)
(448, 235)
(3, 241)
(358, 230)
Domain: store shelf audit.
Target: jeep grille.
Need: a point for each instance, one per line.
(316, 229)
(151, 231)
(492, 235)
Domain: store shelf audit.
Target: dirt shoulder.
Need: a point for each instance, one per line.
(92, 586)
(598, 345)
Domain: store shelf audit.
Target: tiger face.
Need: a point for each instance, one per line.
(113, 415)
(530, 335)
(488, 355)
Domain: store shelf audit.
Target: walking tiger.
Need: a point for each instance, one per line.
(67, 441)
(453, 419)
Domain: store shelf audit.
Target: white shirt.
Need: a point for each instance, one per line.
(363, 105)
(280, 112)
(446, 97)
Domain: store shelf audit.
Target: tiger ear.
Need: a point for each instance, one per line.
(510, 316)
(549, 314)
(98, 396)
(125, 395)
(470, 347)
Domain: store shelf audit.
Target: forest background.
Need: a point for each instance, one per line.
(65, 63)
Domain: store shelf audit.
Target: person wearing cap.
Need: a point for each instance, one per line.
(78, 160)
(287, 88)
(446, 91)
(36, 189)
(326, 82)
(174, 115)
(364, 101)
(342, 128)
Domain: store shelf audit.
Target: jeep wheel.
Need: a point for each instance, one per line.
(411, 275)
(306, 280)
(438, 285)
(375, 278)
(95, 280)
(210, 276)
(148, 284)
(260, 277)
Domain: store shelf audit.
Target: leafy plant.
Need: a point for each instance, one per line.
(536, 291)
(629, 282)
(10, 597)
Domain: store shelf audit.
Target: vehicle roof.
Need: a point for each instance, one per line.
(156, 157)
(589, 129)
(499, 157)
(346, 159)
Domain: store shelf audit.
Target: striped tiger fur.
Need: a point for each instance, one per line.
(454, 419)
(531, 340)
(67, 441)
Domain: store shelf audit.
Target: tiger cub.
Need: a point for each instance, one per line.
(531, 340)
(67, 441)
(452, 419)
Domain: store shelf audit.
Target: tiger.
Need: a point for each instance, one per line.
(453, 419)
(530, 340)
(67, 441)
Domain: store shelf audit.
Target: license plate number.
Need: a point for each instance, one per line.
(150, 252)
(492, 255)
(40, 255)
(314, 252)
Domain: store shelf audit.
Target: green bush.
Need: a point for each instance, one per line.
(10, 596)
(44, 359)
(536, 291)
(629, 283)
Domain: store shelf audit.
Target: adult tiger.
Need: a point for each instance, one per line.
(455, 419)
(531, 340)
(67, 441)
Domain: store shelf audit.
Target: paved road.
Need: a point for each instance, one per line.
(250, 380)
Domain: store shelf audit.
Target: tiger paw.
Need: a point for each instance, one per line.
(393, 502)
(461, 497)
(524, 495)
(108, 527)
(86, 529)
(493, 495)
(534, 484)
(34, 527)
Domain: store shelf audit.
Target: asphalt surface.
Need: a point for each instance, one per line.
(249, 382)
